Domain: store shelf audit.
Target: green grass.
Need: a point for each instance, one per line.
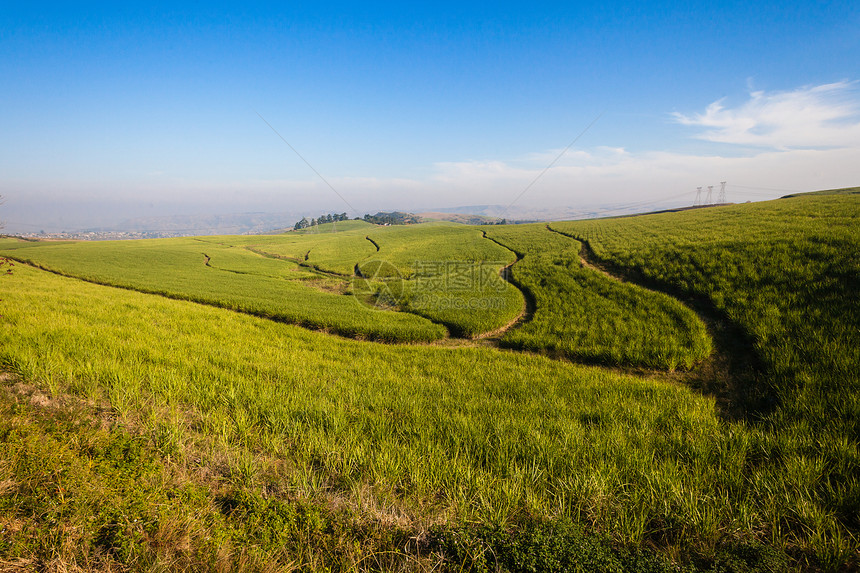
(469, 298)
(239, 260)
(332, 252)
(843, 191)
(471, 434)
(236, 279)
(586, 316)
(339, 227)
(458, 284)
(402, 246)
(284, 445)
(83, 490)
(787, 272)
(446, 272)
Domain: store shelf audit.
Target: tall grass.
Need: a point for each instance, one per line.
(403, 246)
(457, 285)
(472, 432)
(584, 315)
(224, 276)
(446, 272)
(335, 248)
(787, 272)
(432, 433)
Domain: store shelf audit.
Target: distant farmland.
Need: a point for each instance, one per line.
(675, 391)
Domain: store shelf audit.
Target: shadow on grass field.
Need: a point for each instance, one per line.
(733, 373)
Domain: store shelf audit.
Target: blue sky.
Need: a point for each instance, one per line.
(115, 112)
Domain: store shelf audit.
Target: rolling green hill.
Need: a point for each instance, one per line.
(219, 274)
(173, 424)
(586, 316)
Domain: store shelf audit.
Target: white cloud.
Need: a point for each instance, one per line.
(655, 174)
(809, 117)
(808, 139)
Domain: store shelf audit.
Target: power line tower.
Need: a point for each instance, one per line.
(710, 199)
(722, 199)
(698, 200)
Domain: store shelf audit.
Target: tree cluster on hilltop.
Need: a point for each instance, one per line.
(380, 218)
(330, 218)
(393, 218)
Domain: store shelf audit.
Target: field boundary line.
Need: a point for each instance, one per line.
(529, 302)
(731, 372)
(374, 243)
(281, 319)
(301, 263)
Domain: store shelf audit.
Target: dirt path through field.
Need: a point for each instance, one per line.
(303, 262)
(505, 274)
(529, 305)
(374, 243)
(732, 373)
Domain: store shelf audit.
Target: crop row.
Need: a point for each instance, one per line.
(787, 272)
(232, 278)
(584, 315)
